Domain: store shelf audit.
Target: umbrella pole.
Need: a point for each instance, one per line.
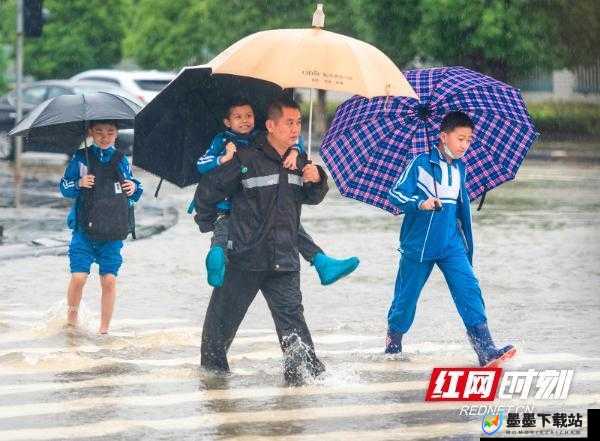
(429, 150)
(310, 112)
(85, 146)
(87, 155)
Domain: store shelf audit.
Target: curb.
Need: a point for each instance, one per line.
(157, 218)
(562, 155)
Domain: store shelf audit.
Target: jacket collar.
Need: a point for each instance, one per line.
(436, 156)
(263, 144)
(243, 139)
(101, 154)
(95, 148)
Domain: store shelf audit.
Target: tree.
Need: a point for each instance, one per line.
(80, 35)
(389, 26)
(169, 34)
(578, 24)
(3, 67)
(503, 38)
(7, 28)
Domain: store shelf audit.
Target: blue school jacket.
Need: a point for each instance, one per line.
(431, 235)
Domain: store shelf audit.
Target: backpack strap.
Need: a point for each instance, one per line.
(114, 164)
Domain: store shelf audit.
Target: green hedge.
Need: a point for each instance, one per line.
(566, 118)
(551, 118)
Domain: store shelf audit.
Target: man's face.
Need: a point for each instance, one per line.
(240, 120)
(458, 140)
(104, 135)
(286, 130)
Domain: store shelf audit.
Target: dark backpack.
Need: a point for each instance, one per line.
(104, 212)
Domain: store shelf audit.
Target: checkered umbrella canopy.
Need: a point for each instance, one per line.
(371, 141)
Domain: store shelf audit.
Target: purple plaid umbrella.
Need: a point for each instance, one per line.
(371, 141)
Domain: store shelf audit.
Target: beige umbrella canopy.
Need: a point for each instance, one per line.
(315, 59)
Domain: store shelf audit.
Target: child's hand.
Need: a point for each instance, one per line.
(290, 160)
(87, 181)
(430, 204)
(129, 187)
(230, 149)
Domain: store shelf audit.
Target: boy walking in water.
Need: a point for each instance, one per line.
(104, 190)
(437, 231)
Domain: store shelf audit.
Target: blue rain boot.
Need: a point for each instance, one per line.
(484, 347)
(393, 343)
(331, 270)
(215, 266)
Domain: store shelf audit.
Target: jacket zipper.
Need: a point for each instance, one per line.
(426, 235)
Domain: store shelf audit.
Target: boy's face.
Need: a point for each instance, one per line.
(104, 135)
(286, 129)
(458, 140)
(240, 120)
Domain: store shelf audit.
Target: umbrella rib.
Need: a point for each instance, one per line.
(486, 112)
(436, 95)
(499, 161)
(360, 65)
(40, 111)
(125, 101)
(365, 159)
(500, 109)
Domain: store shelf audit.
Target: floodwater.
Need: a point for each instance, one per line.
(537, 254)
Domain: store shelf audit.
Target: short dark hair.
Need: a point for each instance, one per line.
(236, 101)
(112, 122)
(276, 107)
(455, 119)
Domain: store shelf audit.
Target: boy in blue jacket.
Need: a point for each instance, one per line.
(239, 120)
(437, 231)
(83, 249)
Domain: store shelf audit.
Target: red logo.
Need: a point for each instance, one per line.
(463, 384)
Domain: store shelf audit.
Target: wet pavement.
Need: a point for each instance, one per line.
(537, 254)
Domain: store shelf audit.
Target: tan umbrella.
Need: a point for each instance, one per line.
(315, 59)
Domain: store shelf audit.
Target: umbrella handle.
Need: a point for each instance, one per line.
(158, 188)
(481, 201)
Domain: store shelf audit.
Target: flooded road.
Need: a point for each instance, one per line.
(537, 257)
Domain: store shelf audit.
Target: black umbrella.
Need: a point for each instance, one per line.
(177, 126)
(59, 124)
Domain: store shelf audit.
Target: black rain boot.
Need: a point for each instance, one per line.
(393, 343)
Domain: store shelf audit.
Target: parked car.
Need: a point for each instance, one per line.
(38, 92)
(144, 84)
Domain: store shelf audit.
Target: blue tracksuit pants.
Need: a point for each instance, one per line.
(460, 278)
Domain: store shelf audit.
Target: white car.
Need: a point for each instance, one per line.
(143, 84)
